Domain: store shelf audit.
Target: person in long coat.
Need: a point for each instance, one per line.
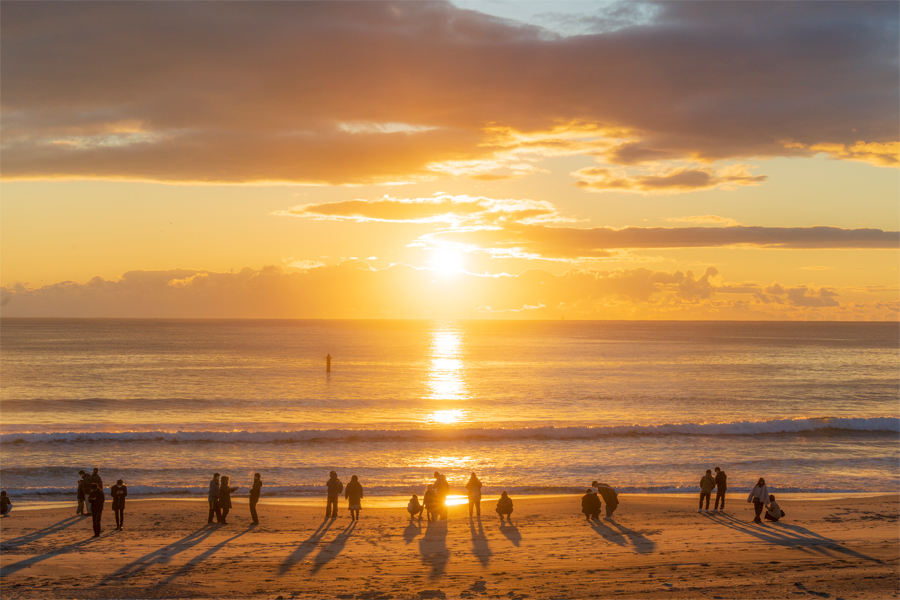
(473, 487)
(96, 500)
(225, 498)
(118, 493)
(354, 494)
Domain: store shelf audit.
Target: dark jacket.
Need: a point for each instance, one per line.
(80, 490)
(97, 479)
(213, 495)
(225, 496)
(4, 503)
(609, 495)
(707, 483)
(430, 500)
(118, 493)
(86, 485)
(354, 492)
(97, 498)
(504, 505)
(474, 488)
(335, 486)
(441, 487)
(721, 481)
(590, 504)
(255, 490)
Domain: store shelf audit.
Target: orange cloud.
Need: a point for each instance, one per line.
(682, 179)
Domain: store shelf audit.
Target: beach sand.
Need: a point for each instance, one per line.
(656, 547)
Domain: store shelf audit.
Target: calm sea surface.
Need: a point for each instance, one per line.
(533, 407)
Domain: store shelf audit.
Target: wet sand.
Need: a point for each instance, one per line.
(655, 547)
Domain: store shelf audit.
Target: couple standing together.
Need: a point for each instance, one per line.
(707, 483)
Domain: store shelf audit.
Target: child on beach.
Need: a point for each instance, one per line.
(354, 494)
(414, 508)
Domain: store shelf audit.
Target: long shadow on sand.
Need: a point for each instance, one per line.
(433, 548)
(334, 547)
(10, 569)
(305, 547)
(49, 530)
(479, 542)
(622, 536)
(511, 532)
(412, 531)
(163, 555)
(792, 536)
(197, 560)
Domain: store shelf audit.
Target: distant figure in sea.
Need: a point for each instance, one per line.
(255, 490)
(707, 483)
(225, 498)
(96, 500)
(354, 494)
(774, 512)
(431, 503)
(759, 496)
(442, 489)
(609, 495)
(86, 486)
(590, 505)
(82, 493)
(5, 504)
(474, 489)
(504, 507)
(118, 493)
(95, 478)
(414, 508)
(721, 488)
(213, 498)
(333, 487)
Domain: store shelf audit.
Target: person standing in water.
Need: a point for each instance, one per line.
(759, 496)
(354, 494)
(118, 493)
(96, 499)
(333, 488)
(474, 489)
(721, 488)
(254, 496)
(225, 498)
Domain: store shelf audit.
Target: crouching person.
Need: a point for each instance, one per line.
(504, 506)
(774, 512)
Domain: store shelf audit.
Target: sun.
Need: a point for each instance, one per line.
(446, 260)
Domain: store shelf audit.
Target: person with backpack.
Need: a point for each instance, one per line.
(721, 488)
(333, 488)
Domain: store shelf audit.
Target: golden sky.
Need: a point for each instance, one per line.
(603, 160)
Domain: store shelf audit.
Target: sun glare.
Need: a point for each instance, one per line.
(447, 260)
(447, 417)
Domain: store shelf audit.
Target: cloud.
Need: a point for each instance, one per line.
(682, 179)
(338, 93)
(353, 289)
(705, 219)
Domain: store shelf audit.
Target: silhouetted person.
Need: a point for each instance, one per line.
(95, 478)
(82, 494)
(5, 504)
(774, 511)
(354, 494)
(118, 493)
(759, 496)
(590, 505)
(721, 488)
(610, 497)
(414, 508)
(213, 498)
(707, 483)
(334, 487)
(504, 506)
(86, 485)
(474, 489)
(255, 490)
(96, 500)
(431, 503)
(442, 489)
(225, 498)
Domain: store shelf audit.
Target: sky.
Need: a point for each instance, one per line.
(477, 159)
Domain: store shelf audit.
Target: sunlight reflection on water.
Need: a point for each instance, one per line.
(446, 373)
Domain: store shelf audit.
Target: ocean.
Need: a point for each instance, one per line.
(534, 407)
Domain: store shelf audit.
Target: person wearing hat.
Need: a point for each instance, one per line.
(118, 493)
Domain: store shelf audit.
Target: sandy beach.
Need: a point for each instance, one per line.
(655, 547)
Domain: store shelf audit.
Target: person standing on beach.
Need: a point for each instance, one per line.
(590, 504)
(610, 497)
(86, 486)
(95, 478)
(118, 493)
(759, 496)
(5, 504)
(442, 489)
(333, 487)
(225, 498)
(96, 500)
(707, 483)
(474, 489)
(430, 500)
(721, 488)
(505, 507)
(81, 493)
(354, 494)
(213, 498)
(254, 497)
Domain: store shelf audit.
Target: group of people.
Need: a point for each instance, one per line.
(353, 494)
(591, 501)
(91, 499)
(219, 498)
(434, 501)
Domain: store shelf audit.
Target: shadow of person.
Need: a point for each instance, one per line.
(607, 533)
(8, 570)
(793, 536)
(479, 542)
(642, 544)
(305, 547)
(334, 547)
(433, 548)
(197, 560)
(511, 532)
(411, 531)
(49, 530)
(164, 554)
